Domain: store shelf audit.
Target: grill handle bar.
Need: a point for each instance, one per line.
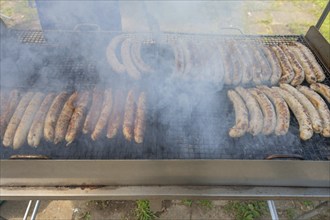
(323, 16)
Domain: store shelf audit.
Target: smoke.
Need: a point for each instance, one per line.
(193, 113)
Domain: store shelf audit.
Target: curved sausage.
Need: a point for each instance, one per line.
(317, 69)
(267, 110)
(256, 117)
(105, 112)
(306, 64)
(287, 71)
(281, 108)
(94, 112)
(298, 69)
(228, 65)
(128, 123)
(323, 89)
(15, 119)
(127, 60)
(26, 121)
(312, 112)
(178, 58)
(137, 59)
(37, 126)
(305, 124)
(78, 117)
(140, 119)
(111, 54)
(241, 115)
(64, 118)
(236, 70)
(6, 115)
(321, 107)
(52, 116)
(274, 64)
(265, 73)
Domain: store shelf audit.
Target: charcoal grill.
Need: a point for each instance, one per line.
(171, 163)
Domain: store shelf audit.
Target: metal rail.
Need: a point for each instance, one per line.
(323, 16)
(163, 193)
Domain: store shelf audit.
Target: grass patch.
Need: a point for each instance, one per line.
(143, 211)
(187, 202)
(247, 210)
(86, 216)
(290, 213)
(207, 204)
(308, 203)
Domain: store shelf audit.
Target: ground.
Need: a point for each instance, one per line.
(256, 17)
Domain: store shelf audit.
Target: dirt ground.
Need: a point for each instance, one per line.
(171, 210)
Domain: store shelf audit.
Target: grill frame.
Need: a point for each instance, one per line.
(89, 173)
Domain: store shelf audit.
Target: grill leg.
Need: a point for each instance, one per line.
(34, 212)
(272, 209)
(27, 210)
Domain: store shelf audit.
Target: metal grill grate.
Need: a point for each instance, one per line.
(201, 134)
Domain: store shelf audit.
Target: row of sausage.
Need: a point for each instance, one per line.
(57, 117)
(266, 110)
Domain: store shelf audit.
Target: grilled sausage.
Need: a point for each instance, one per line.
(94, 112)
(246, 64)
(287, 71)
(305, 124)
(26, 121)
(310, 109)
(265, 73)
(78, 117)
(298, 69)
(103, 119)
(256, 117)
(241, 115)
(127, 60)
(6, 115)
(37, 127)
(52, 116)
(115, 118)
(281, 108)
(236, 70)
(3, 101)
(178, 57)
(321, 107)
(323, 89)
(137, 59)
(140, 119)
(274, 64)
(317, 69)
(306, 64)
(64, 118)
(187, 57)
(227, 64)
(111, 54)
(128, 123)
(267, 110)
(15, 119)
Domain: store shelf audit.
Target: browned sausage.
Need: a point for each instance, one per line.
(64, 118)
(94, 112)
(274, 64)
(241, 115)
(27, 118)
(15, 119)
(14, 98)
(106, 111)
(140, 119)
(37, 127)
(52, 116)
(116, 116)
(323, 89)
(78, 117)
(287, 71)
(128, 124)
(111, 54)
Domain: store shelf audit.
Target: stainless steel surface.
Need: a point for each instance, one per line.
(272, 209)
(27, 210)
(164, 192)
(319, 45)
(323, 16)
(165, 172)
(35, 210)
